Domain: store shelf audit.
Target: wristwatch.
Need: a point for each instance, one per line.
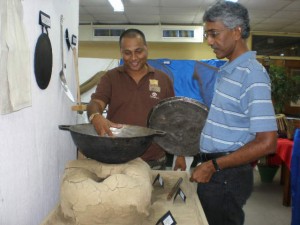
(217, 168)
(93, 115)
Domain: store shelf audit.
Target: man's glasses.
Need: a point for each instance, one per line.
(212, 33)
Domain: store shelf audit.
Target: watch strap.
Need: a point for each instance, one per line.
(93, 115)
(217, 168)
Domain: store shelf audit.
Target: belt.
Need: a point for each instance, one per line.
(209, 156)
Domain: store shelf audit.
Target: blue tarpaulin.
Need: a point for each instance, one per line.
(205, 74)
(182, 75)
(192, 78)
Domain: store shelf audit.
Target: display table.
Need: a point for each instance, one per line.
(184, 212)
(188, 212)
(284, 151)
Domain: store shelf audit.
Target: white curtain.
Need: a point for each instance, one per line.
(15, 69)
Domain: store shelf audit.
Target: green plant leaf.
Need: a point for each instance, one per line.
(283, 87)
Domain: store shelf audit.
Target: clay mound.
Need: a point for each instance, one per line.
(99, 193)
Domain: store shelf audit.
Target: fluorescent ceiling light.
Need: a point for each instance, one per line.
(232, 0)
(117, 5)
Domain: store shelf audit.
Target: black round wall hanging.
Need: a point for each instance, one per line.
(43, 61)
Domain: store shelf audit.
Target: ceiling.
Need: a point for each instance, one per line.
(265, 15)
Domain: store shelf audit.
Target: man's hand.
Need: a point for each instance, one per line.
(203, 172)
(180, 163)
(102, 125)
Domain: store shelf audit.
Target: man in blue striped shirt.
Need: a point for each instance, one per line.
(241, 125)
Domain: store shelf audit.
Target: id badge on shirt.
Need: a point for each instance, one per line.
(153, 85)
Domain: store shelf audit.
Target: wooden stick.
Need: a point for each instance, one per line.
(79, 108)
(75, 57)
(175, 188)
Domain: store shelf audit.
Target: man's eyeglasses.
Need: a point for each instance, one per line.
(212, 33)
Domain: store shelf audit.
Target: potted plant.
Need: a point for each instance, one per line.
(268, 167)
(284, 87)
(283, 90)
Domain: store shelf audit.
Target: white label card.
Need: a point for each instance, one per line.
(159, 179)
(181, 194)
(166, 219)
(45, 20)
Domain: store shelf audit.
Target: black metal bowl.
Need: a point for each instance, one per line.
(182, 119)
(128, 142)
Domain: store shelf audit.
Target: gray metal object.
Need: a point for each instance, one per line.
(182, 119)
(128, 142)
(61, 73)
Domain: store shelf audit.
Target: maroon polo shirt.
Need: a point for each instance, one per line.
(130, 103)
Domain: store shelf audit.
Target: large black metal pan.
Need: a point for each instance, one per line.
(43, 61)
(43, 54)
(128, 142)
(182, 119)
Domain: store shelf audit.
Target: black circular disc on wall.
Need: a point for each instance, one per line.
(43, 61)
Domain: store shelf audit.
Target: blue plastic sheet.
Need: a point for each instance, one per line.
(205, 73)
(187, 74)
(182, 74)
(295, 179)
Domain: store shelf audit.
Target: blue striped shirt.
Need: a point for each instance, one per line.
(241, 106)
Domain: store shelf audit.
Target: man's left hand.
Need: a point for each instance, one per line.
(203, 172)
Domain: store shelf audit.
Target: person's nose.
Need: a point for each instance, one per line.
(133, 56)
(210, 40)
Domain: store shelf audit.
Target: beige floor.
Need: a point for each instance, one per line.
(265, 204)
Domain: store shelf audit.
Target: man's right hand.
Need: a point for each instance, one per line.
(102, 125)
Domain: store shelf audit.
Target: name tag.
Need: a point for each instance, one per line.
(153, 85)
(153, 82)
(154, 88)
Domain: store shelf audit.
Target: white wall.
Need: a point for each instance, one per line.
(33, 150)
(88, 67)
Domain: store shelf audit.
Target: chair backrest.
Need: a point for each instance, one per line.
(285, 126)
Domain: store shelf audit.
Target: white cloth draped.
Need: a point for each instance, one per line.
(15, 66)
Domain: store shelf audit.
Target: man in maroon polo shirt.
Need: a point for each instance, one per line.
(130, 91)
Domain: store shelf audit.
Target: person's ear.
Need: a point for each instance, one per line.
(238, 32)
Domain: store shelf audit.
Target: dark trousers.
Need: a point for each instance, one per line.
(225, 195)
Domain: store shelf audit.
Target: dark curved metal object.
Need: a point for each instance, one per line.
(67, 39)
(128, 143)
(182, 119)
(43, 61)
